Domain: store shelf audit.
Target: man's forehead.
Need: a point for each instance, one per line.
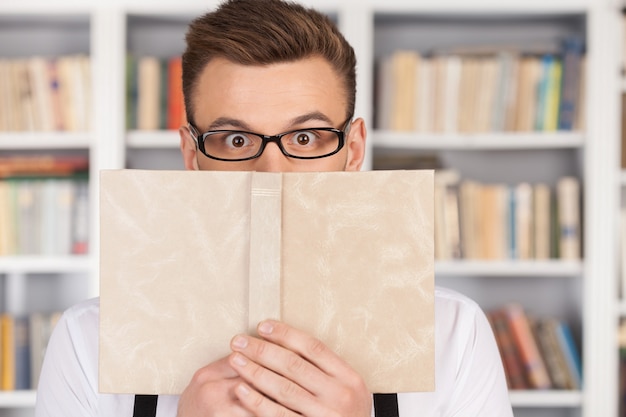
(285, 94)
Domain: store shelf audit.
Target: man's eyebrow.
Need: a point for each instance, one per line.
(316, 115)
(229, 122)
(223, 122)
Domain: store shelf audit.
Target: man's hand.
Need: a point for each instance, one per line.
(287, 372)
(211, 393)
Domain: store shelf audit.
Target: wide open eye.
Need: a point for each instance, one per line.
(237, 140)
(303, 138)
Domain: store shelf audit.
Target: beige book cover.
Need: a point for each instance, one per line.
(188, 259)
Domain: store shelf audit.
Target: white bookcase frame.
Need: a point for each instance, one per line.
(109, 144)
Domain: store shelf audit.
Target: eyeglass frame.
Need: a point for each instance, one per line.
(199, 138)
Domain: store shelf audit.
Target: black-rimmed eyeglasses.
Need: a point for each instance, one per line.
(238, 145)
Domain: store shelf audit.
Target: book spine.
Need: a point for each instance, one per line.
(534, 365)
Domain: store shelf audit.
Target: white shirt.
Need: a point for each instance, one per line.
(469, 376)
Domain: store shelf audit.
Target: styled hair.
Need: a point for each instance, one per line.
(262, 32)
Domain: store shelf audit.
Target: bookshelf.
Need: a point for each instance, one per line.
(575, 290)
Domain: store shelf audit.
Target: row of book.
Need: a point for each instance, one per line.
(481, 92)
(154, 95)
(474, 220)
(537, 352)
(23, 342)
(45, 94)
(44, 206)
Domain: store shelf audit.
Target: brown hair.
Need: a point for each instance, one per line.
(261, 32)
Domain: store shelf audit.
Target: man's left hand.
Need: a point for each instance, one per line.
(288, 372)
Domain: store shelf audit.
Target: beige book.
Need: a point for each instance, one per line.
(568, 203)
(149, 91)
(541, 221)
(524, 220)
(191, 258)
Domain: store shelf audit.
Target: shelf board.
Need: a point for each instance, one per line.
(509, 268)
(548, 398)
(45, 264)
(44, 140)
(153, 139)
(478, 141)
(18, 399)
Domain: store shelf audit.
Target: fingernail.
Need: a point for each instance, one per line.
(242, 389)
(240, 342)
(240, 360)
(266, 328)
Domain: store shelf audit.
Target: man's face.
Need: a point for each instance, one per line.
(270, 100)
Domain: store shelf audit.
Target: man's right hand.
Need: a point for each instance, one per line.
(211, 393)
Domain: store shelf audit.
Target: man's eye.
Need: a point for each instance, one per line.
(237, 140)
(303, 138)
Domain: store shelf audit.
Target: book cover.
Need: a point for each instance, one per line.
(511, 359)
(568, 195)
(7, 352)
(572, 53)
(544, 330)
(570, 352)
(191, 258)
(536, 371)
(148, 92)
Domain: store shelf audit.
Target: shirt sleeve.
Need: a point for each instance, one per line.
(469, 376)
(68, 380)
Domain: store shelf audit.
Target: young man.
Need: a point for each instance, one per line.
(286, 74)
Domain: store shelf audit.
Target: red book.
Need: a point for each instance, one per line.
(175, 105)
(513, 367)
(536, 371)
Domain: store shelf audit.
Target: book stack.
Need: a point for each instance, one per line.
(44, 205)
(23, 342)
(154, 93)
(41, 94)
(525, 221)
(537, 353)
(477, 92)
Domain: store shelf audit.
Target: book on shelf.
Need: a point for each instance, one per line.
(534, 365)
(44, 205)
(621, 345)
(154, 97)
(240, 226)
(476, 91)
(447, 232)
(622, 252)
(45, 94)
(545, 332)
(571, 354)
(511, 359)
(572, 56)
(623, 132)
(568, 201)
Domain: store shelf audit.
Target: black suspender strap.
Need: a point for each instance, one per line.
(386, 405)
(145, 406)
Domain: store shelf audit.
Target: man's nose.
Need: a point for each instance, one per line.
(272, 160)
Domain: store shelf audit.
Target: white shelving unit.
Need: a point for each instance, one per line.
(581, 290)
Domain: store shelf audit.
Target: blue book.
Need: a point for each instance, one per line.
(570, 352)
(572, 55)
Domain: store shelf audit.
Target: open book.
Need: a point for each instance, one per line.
(188, 259)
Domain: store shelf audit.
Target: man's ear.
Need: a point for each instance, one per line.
(355, 143)
(188, 148)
